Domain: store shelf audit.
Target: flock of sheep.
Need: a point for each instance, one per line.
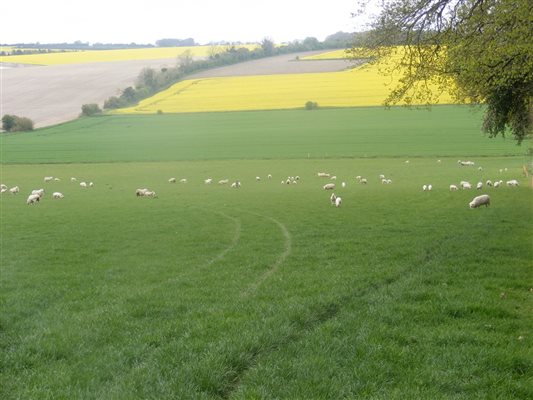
(37, 194)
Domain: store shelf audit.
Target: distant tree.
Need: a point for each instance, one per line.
(90, 109)
(128, 95)
(311, 105)
(8, 122)
(483, 46)
(13, 123)
(311, 43)
(146, 78)
(268, 46)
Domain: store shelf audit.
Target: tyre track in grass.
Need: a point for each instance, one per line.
(252, 288)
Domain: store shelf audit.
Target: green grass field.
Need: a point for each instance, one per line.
(267, 291)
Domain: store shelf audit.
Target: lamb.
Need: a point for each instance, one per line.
(48, 178)
(328, 186)
(14, 190)
(479, 186)
(172, 180)
(497, 184)
(236, 185)
(83, 184)
(150, 193)
(512, 182)
(453, 188)
(32, 199)
(57, 195)
(478, 201)
(338, 202)
(333, 178)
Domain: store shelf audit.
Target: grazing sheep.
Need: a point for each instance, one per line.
(478, 201)
(83, 184)
(141, 192)
(430, 187)
(269, 176)
(465, 185)
(236, 185)
(479, 186)
(333, 178)
(14, 190)
(2, 186)
(358, 177)
(328, 186)
(406, 161)
(332, 199)
(439, 161)
(322, 174)
(38, 192)
(453, 188)
(57, 195)
(488, 183)
(32, 199)
(512, 182)
(223, 181)
(480, 168)
(48, 178)
(466, 163)
(363, 181)
(338, 202)
(3, 190)
(91, 184)
(208, 181)
(183, 180)
(497, 184)
(343, 184)
(424, 188)
(150, 193)
(172, 180)
(72, 179)
(381, 177)
(257, 178)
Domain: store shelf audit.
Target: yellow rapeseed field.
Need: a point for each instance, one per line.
(91, 56)
(361, 86)
(329, 55)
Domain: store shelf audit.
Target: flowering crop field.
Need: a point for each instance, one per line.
(91, 56)
(361, 86)
(329, 55)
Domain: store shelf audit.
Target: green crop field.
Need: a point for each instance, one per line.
(267, 291)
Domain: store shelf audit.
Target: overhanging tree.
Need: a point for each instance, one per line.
(484, 47)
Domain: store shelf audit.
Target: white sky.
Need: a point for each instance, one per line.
(112, 21)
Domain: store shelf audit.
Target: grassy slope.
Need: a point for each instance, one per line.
(208, 292)
(361, 132)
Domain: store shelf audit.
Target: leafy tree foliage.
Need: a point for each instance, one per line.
(90, 109)
(13, 123)
(483, 47)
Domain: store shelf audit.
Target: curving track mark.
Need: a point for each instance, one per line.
(280, 260)
(234, 240)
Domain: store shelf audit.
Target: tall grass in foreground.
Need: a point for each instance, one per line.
(266, 291)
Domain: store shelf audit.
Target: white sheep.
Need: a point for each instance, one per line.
(430, 188)
(73, 179)
(497, 184)
(466, 163)
(343, 184)
(406, 161)
(269, 176)
(172, 180)
(38, 192)
(479, 186)
(478, 201)
(91, 184)
(236, 185)
(322, 174)
(453, 188)
(141, 192)
(328, 186)
(150, 193)
(3, 190)
(332, 199)
(488, 183)
(83, 184)
(381, 177)
(57, 195)
(57, 180)
(14, 190)
(2, 186)
(424, 188)
(465, 185)
(183, 180)
(32, 199)
(358, 177)
(439, 161)
(363, 181)
(512, 182)
(48, 178)
(208, 181)
(257, 178)
(223, 181)
(333, 178)
(338, 202)
(297, 178)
